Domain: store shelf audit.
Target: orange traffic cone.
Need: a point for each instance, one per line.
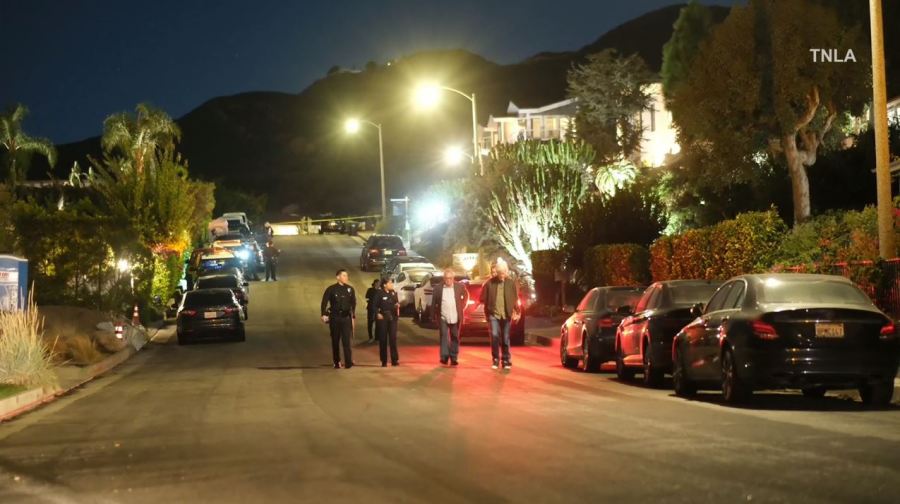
(136, 316)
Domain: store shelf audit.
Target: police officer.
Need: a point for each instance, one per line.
(270, 256)
(387, 311)
(339, 312)
(371, 296)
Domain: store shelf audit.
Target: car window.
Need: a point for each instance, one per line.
(645, 298)
(417, 276)
(735, 296)
(618, 298)
(718, 300)
(653, 301)
(682, 295)
(214, 282)
(401, 277)
(793, 291)
(587, 302)
(389, 242)
(199, 299)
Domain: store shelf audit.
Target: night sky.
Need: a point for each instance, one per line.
(74, 62)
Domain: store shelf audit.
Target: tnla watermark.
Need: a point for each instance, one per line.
(832, 56)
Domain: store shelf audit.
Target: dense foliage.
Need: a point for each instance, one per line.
(616, 264)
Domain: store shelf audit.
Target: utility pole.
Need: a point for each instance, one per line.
(886, 246)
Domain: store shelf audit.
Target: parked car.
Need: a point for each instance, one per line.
(209, 313)
(589, 334)
(425, 289)
(245, 249)
(378, 249)
(231, 281)
(405, 284)
(812, 332)
(192, 265)
(475, 324)
(351, 228)
(390, 265)
(331, 226)
(643, 341)
(220, 263)
(241, 216)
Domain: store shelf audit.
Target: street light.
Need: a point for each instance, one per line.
(427, 96)
(454, 155)
(352, 126)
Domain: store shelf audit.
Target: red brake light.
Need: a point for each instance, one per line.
(230, 310)
(606, 323)
(470, 302)
(188, 313)
(888, 331)
(373, 251)
(763, 330)
(401, 252)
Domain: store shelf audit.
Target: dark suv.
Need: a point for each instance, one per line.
(378, 249)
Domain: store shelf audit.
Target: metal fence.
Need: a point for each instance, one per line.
(881, 281)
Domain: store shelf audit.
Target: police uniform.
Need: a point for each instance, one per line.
(339, 304)
(387, 305)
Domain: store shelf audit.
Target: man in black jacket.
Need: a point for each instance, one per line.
(371, 294)
(500, 297)
(448, 302)
(339, 312)
(387, 311)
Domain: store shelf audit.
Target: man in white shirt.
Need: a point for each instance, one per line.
(449, 301)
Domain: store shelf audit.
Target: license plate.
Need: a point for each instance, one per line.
(829, 330)
(210, 314)
(388, 252)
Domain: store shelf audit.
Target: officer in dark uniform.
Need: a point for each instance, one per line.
(339, 312)
(387, 311)
(371, 297)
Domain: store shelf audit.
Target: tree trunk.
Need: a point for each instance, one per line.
(799, 179)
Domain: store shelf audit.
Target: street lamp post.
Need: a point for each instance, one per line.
(428, 95)
(886, 245)
(352, 126)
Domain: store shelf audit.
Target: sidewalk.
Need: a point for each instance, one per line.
(541, 331)
(72, 377)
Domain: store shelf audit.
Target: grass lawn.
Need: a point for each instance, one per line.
(10, 390)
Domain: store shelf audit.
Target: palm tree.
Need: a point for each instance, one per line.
(18, 143)
(137, 136)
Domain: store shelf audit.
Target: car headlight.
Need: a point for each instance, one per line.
(243, 255)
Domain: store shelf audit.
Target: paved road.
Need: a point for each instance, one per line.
(270, 421)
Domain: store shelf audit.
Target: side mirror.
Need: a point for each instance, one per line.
(697, 310)
(624, 310)
(568, 309)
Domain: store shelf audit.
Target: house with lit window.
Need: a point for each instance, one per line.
(556, 121)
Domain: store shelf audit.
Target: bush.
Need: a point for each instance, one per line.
(81, 350)
(617, 264)
(544, 264)
(24, 359)
(749, 243)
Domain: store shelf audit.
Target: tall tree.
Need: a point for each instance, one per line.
(18, 144)
(693, 26)
(755, 88)
(611, 93)
(138, 136)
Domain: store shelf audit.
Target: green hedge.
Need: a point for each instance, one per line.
(749, 243)
(617, 264)
(544, 263)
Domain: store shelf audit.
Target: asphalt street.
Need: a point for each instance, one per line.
(269, 420)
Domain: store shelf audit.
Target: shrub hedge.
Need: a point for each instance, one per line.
(746, 244)
(616, 264)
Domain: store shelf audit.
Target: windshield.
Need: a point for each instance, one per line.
(417, 275)
(691, 294)
(197, 299)
(214, 282)
(388, 242)
(777, 291)
(216, 264)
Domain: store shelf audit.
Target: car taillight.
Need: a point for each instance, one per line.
(470, 302)
(606, 323)
(763, 330)
(401, 252)
(188, 313)
(373, 251)
(230, 310)
(888, 331)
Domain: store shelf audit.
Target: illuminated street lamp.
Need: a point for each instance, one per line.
(427, 96)
(455, 155)
(352, 126)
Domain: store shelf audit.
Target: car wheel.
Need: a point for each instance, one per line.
(240, 335)
(567, 361)
(590, 362)
(653, 376)
(246, 312)
(622, 372)
(877, 395)
(734, 389)
(683, 385)
(814, 392)
(182, 339)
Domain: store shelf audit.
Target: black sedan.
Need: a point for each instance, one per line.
(233, 281)
(588, 335)
(208, 313)
(644, 340)
(810, 332)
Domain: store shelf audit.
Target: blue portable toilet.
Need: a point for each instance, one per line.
(13, 283)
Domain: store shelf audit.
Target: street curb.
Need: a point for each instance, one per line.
(18, 404)
(538, 339)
